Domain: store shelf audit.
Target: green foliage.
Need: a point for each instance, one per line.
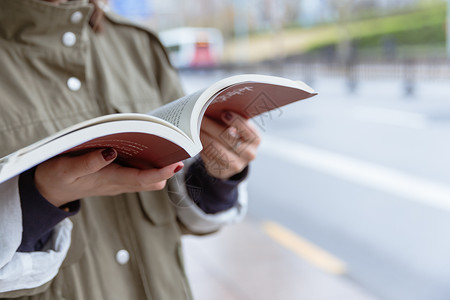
(421, 29)
(433, 34)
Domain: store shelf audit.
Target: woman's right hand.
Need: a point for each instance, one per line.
(67, 178)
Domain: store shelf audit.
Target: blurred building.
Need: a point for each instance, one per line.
(259, 15)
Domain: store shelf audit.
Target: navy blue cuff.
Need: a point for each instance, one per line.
(211, 194)
(38, 215)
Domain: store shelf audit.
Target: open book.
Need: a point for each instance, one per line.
(166, 135)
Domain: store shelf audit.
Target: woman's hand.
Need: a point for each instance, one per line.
(228, 147)
(67, 178)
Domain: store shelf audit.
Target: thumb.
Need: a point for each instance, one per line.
(91, 162)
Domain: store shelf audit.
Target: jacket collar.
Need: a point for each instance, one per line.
(42, 23)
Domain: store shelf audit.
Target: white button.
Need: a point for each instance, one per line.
(76, 17)
(69, 39)
(122, 257)
(74, 84)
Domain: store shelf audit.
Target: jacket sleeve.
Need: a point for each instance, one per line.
(194, 219)
(21, 273)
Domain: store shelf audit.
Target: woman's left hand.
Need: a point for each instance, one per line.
(228, 147)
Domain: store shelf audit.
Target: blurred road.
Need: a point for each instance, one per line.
(364, 176)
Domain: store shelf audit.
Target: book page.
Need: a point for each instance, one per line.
(89, 123)
(179, 112)
(139, 144)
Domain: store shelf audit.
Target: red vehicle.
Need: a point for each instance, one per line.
(193, 47)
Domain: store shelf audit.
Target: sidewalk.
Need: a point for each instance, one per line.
(242, 262)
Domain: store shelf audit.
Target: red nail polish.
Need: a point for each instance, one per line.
(228, 116)
(109, 154)
(178, 168)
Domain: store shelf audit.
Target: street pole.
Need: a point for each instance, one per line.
(241, 31)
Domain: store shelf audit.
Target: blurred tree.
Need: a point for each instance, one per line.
(448, 29)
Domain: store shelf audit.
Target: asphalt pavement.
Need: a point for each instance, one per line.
(363, 177)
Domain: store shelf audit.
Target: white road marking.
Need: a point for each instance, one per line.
(390, 117)
(358, 171)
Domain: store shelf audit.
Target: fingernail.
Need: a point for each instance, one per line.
(177, 169)
(109, 154)
(227, 116)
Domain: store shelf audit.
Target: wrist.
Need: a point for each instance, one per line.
(39, 216)
(51, 198)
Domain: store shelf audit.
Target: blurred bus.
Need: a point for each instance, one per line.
(193, 47)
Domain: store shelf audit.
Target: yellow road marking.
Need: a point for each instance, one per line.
(305, 249)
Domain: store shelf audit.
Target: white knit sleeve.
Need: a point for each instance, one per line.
(20, 270)
(194, 218)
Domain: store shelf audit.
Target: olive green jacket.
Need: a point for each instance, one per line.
(55, 72)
